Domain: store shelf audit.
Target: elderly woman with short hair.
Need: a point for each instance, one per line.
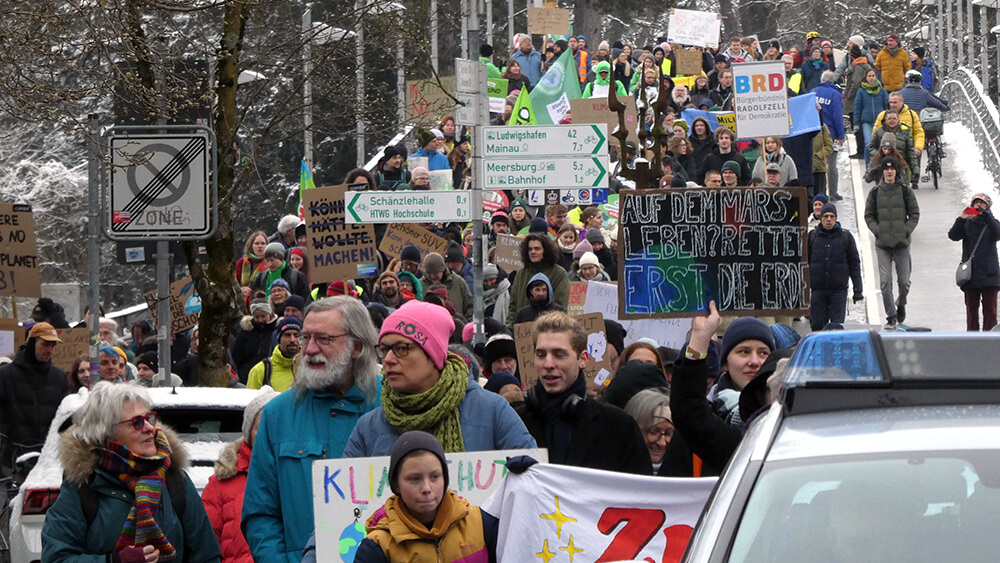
(125, 497)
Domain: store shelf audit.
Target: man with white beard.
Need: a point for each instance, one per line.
(336, 382)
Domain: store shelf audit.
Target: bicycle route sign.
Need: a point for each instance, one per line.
(161, 186)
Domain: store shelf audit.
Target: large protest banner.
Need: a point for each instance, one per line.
(18, 252)
(336, 250)
(598, 368)
(562, 513)
(761, 99)
(347, 491)
(398, 235)
(688, 27)
(742, 247)
(185, 305)
(602, 297)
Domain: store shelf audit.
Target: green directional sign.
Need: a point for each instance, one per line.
(545, 140)
(425, 206)
(549, 173)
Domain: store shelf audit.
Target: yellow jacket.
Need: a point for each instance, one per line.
(457, 534)
(893, 68)
(909, 118)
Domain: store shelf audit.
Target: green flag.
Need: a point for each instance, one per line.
(556, 88)
(523, 113)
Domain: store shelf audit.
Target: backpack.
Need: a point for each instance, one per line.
(174, 481)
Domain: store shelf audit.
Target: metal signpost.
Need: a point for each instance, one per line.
(431, 206)
(161, 187)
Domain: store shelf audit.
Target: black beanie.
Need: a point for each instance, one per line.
(410, 252)
(453, 253)
(486, 50)
(408, 443)
(615, 334)
(631, 378)
(498, 381)
(499, 346)
(150, 359)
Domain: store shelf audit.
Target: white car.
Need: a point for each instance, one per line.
(205, 418)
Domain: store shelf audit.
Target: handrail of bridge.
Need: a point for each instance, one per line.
(975, 110)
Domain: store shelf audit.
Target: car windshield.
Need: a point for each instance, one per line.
(911, 506)
(203, 424)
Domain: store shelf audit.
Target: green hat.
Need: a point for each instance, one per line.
(732, 166)
(683, 124)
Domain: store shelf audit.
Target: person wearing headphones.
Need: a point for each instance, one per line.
(576, 429)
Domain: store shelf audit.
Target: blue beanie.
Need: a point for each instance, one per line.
(821, 197)
(745, 328)
(538, 225)
(288, 323)
(784, 336)
(828, 208)
(280, 283)
(498, 381)
(410, 252)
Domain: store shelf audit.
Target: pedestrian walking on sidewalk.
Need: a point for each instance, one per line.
(979, 231)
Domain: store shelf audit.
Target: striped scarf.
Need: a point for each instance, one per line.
(144, 476)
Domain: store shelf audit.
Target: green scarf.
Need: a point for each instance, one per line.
(434, 410)
(272, 276)
(872, 88)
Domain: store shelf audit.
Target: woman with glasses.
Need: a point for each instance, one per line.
(125, 495)
(667, 451)
(426, 387)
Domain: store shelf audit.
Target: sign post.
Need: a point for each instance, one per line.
(161, 187)
(553, 157)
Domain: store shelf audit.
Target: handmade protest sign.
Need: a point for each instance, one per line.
(548, 20)
(18, 253)
(688, 27)
(346, 492)
(760, 99)
(602, 297)
(553, 510)
(595, 110)
(185, 305)
(75, 341)
(12, 336)
(336, 250)
(688, 62)
(398, 235)
(577, 297)
(598, 368)
(441, 180)
(742, 247)
(508, 253)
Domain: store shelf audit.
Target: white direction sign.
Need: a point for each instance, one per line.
(545, 140)
(425, 206)
(467, 76)
(550, 172)
(161, 185)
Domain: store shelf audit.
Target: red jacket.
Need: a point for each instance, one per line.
(223, 499)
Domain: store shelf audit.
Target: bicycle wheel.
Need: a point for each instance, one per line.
(935, 158)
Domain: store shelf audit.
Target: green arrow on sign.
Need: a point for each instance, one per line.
(601, 168)
(600, 143)
(350, 207)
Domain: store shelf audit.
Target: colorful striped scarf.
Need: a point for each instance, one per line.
(144, 476)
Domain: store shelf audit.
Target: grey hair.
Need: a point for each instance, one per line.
(97, 420)
(897, 94)
(827, 76)
(357, 323)
(288, 223)
(643, 405)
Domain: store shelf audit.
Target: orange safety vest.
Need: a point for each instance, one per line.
(583, 65)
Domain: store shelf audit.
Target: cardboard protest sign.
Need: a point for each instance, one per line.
(689, 27)
(761, 99)
(742, 247)
(688, 62)
(398, 235)
(548, 20)
(336, 250)
(18, 253)
(75, 341)
(577, 297)
(11, 337)
(507, 254)
(426, 101)
(602, 297)
(595, 110)
(185, 305)
(346, 492)
(595, 515)
(496, 90)
(597, 370)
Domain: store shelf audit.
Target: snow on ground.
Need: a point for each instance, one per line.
(960, 147)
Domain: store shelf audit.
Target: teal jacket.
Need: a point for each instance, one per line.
(67, 537)
(294, 432)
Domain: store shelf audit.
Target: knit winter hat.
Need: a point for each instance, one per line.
(260, 305)
(518, 202)
(826, 42)
(387, 274)
(340, 287)
(821, 197)
(433, 263)
(888, 140)
(732, 166)
(894, 37)
(498, 346)
(890, 162)
(499, 216)
(784, 336)
(298, 251)
(857, 40)
(919, 51)
(410, 442)
(745, 328)
(683, 124)
(603, 45)
(279, 283)
(424, 137)
(582, 249)
(295, 301)
(594, 236)
(589, 258)
(453, 253)
(274, 250)
(983, 198)
(410, 252)
(775, 45)
(428, 325)
(631, 378)
(490, 271)
(538, 225)
(498, 381)
(286, 324)
(253, 409)
(149, 359)
(828, 208)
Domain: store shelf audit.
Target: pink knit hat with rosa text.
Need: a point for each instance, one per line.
(428, 325)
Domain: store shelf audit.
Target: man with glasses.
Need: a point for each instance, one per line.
(276, 370)
(429, 388)
(336, 383)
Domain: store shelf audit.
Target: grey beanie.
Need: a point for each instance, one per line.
(594, 235)
(408, 443)
(433, 263)
(274, 250)
(888, 140)
(490, 271)
(253, 409)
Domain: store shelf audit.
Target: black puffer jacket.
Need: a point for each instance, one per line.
(252, 345)
(985, 267)
(30, 393)
(833, 259)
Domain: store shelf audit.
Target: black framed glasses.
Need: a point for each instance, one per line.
(654, 435)
(399, 349)
(321, 339)
(139, 422)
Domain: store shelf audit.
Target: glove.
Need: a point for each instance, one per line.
(857, 297)
(129, 555)
(520, 464)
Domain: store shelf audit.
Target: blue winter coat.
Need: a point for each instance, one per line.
(67, 537)
(985, 266)
(917, 98)
(531, 65)
(435, 160)
(832, 101)
(833, 259)
(867, 107)
(927, 71)
(488, 423)
(294, 432)
(812, 71)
